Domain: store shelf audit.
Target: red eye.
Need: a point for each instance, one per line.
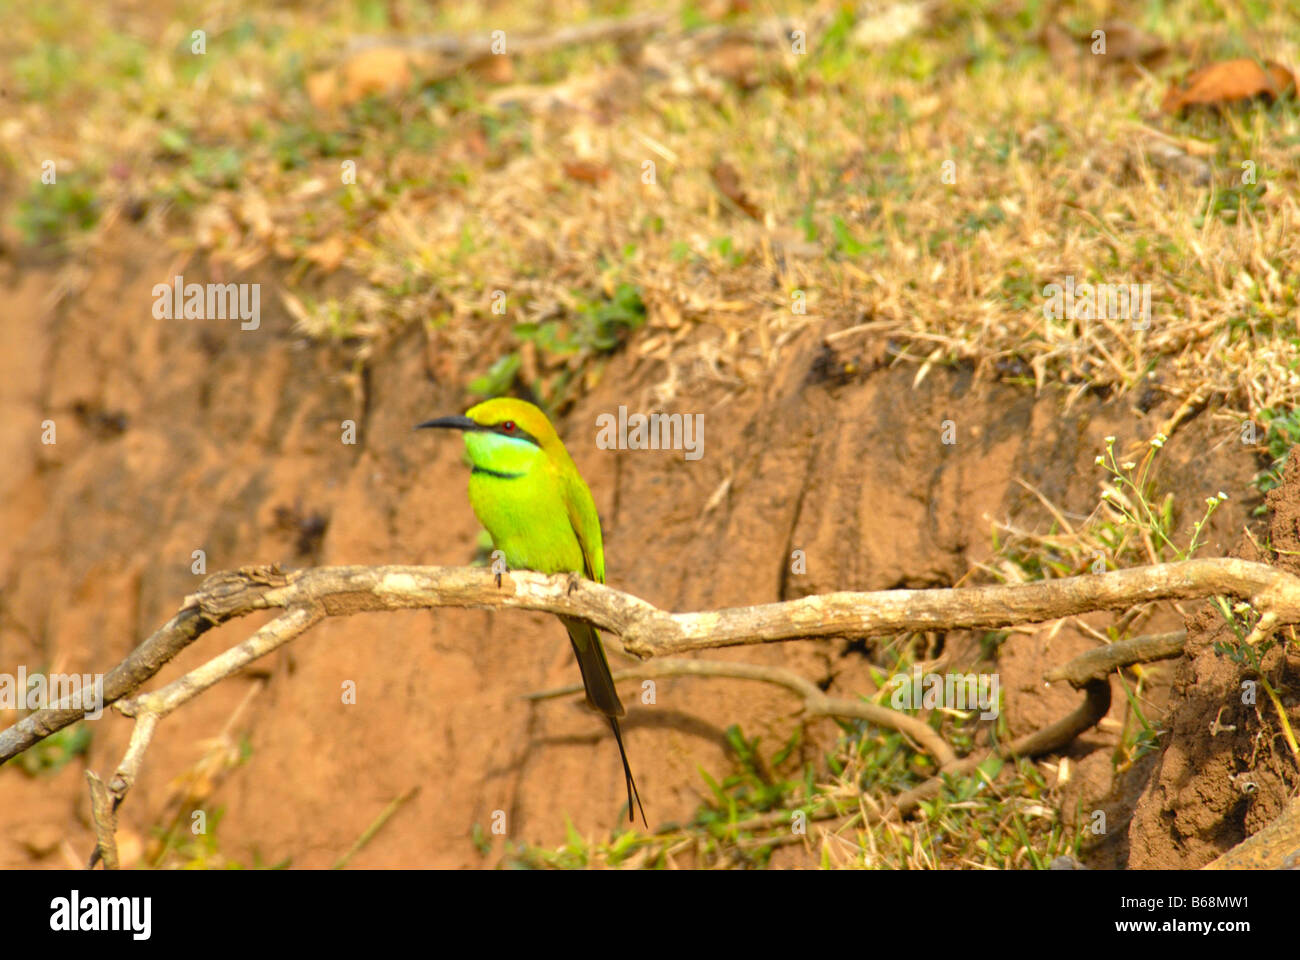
(508, 426)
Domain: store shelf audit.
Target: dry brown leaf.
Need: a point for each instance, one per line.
(727, 180)
(322, 89)
(493, 68)
(737, 60)
(715, 11)
(385, 71)
(327, 254)
(475, 143)
(1127, 43)
(1125, 46)
(1228, 81)
(1060, 45)
(584, 171)
(213, 224)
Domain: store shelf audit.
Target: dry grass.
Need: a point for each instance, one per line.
(465, 186)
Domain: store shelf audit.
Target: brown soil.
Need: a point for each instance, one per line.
(177, 436)
(1226, 772)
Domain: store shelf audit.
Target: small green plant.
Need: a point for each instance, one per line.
(1282, 432)
(603, 325)
(1140, 737)
(1130, 497)
(1132, 525)
(596, 327)
(51, 211)
(499, 378)
(845, 242)
(56, 751)
(201, 851)
(1241, 618)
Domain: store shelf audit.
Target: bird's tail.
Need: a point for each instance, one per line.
(602, 695)
(627, 774)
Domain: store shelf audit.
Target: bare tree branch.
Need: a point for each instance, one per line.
(647, 631)
(308, 596)
(104, 816)
(815, 703)
(1102, 660)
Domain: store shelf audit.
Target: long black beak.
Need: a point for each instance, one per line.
(451, 423)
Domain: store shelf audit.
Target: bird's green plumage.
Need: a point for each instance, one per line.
(528, 494)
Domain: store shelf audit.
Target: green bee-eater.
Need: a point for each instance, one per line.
(535, 505)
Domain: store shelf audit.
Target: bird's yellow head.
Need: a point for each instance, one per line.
(505, 435)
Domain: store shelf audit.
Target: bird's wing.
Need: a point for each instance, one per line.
(586, 524)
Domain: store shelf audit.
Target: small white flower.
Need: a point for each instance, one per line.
(1130, 465)
(1110, 440)
(1105, 494)
(1158, 440)
(1100, 461)
(1212, 501)
(1222, 495)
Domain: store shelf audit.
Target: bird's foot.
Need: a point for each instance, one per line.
(574, 580)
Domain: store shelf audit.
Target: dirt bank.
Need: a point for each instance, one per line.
(178, 436)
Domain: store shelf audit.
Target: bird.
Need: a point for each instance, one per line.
(528, 495)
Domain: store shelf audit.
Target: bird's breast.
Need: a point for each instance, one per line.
(527, 521)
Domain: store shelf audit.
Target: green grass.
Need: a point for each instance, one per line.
(51, 212)
(1282, 430)
(56, 751)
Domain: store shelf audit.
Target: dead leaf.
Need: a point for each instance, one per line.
(1115, 43)
(727, 180)
(322, 89)
(385, 71)
(1060, 45)
(715, 11)
(475, 143)
(1127, 43)
(493, 68)
(584, 171)
(213, 224)
(327, 254)
(1229, 81)
(255, 213)
(735, 59)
